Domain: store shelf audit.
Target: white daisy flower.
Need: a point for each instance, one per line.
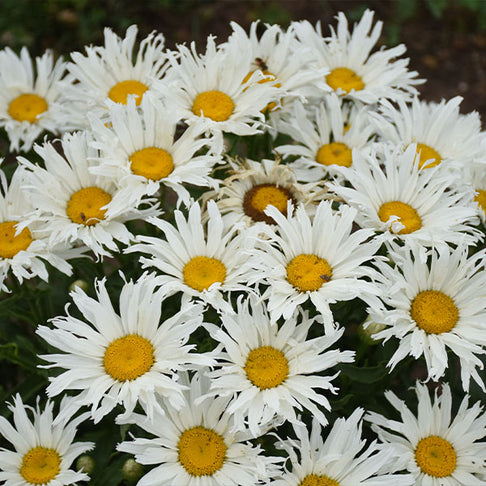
(324, 137)
(393, 196)
(432, 309)
(44, 447)
(439, 449)
(343, 458)
(139, 147)
(200, 260)
(268, 372)
(320, 259)
(354, 71)
(30, 101)
(123, 358)
(76, 205)
(441, 133)
(198, 445)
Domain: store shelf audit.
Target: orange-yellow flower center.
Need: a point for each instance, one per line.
(434, 312)
(260, 196)
(435, 456)
(344, 78)
(335, 153)
(202, 451)
(480, 198)
(129, 357)
(40, 465)
(10, 244)
(84, 206)
(307, 272)
(152, 163)
(315, 480)
(269, 78)
(266, 367)
(213, 104)
(428, 154)
(201, 272)
(406, 214)
(27, 107)
(120, 91)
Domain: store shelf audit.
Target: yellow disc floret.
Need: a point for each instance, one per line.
(11, 244)
(308, 272)
(152, 163)
(213, 104)
(266, 367)
(434, 312)
(344, 78)
(128, 357)
(406, 214)
(335, 153)
(84, 206)
(27, 107)
(315, 480)
(202, 451)
(480, 198)
(435, 456)
(260, 196)
(120, 92)
(201, 272)
(40, 465)
(426, 154)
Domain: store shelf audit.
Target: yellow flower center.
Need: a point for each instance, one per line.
(434, 312)
(407, 215)
(428, 153)
(201, 272)
(344, 78)
(308, 272)
(335, 153)
(213, 104)
(260, 196)
(315, 480)
(270, 78)
(266, 367)
(480, 198)
(27, 107)
(40, 465)
(85, 205)
(435, 456)
(120, 92)
(10, 244)
(129, 357)
(152, 163)
(201, 451)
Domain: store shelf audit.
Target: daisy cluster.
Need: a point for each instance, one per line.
(282, 264)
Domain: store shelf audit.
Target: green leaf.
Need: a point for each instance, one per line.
(437, 7)
(363, 374)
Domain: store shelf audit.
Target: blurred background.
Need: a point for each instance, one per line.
(445, 39)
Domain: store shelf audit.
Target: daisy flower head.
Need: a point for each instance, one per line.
(44, 447)
(198, 445)
(355, 72)
(434, 306)
(76, 205)
(139, 147)
(30, 99)
(435, 446)
(124, 357)
(270, 372)
(202, 260)
(343, 458)
(115, 71)
(405, 203)
(324, 137)
(320, 259)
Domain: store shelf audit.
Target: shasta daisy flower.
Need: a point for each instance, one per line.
(353, 71)
(123, 358)
(320, 259)
(30, 101)
(44, 447)
(436, 447)
(341, 459)
(198, 445)
(268, 372)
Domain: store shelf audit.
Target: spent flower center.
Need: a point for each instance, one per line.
(213, 104)
(152, 163)
(84, 206)
(27, 107)
(11, 244)
(201, 272)
(434, 312)
(120, 91)
(40, 465)
(260, 196)
(307, 272)
(406, 214)
(335, 153)
(266, 367)
(435, 456)
(344, 78)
